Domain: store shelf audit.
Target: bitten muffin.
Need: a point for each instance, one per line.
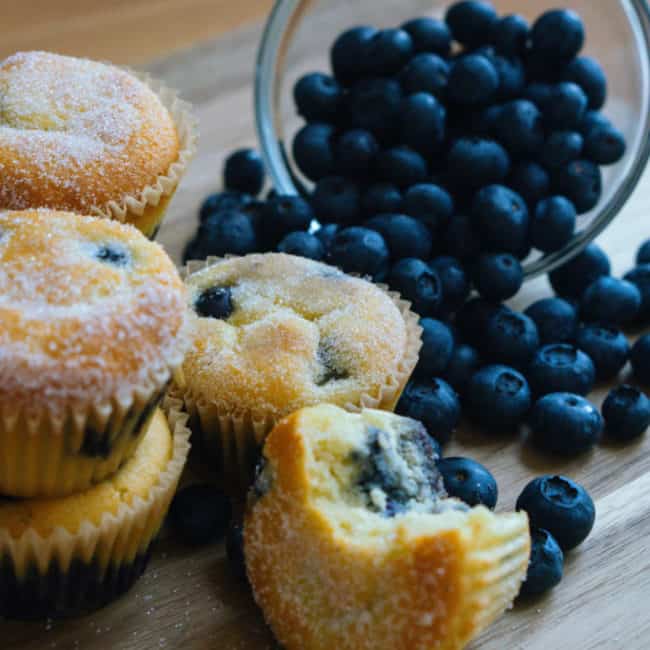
(92, 325)
(351, 542)
(274, 333)
(91, 138)
(66, 556)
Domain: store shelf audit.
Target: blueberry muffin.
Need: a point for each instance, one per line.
(65, 556)
(87, 137)
(274, 333)
(351, 542)
(93, 325)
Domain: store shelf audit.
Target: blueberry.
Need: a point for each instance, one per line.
(381, 198)
(417, 283)
(455, 283)
(473, 80)
(387, 52)
(604, 145)
(284, 214)
(347, 54)
(429, 35)
(374, 105)
(435, 404)
(587, 73)
(200, 514)
(475, 162)
(402, 166)
(626, 411)
(354, 153)
(539, 93)
(114, 254)
(558, 35)
(643, 253)
(640, 278)
(235, 549)
(498, 398)
(566, 107)
(318, 97)
(426, 73)
(571, 279)
(464, 363)
(302, 244)
(430, 204)
(228, 232)
(336, 199)
(479, 122)
(560, 506)
(561, 368)
(215, 302)
(512, 76)
(553, 224)
(530, 180)
(471, 21)
(607, 347)
(540, 69)
(610, 300)
(244, 172)
(422, 119)
(313, 150)
(640, 358)
(566, 424)
(560, 148)
(472, 319)
(501, 217)
(461, 239)
(362, 251)
(498, 276)
(519, 128)
(509, 35)
(469, 481)
(592, 120)
(223, 201)
(546, 564)
(581, 182)
(510, 338)
(556, 320)
(193, 251)
(326, 233)
(437, 348)
(404, 236)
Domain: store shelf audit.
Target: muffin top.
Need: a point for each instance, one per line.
(276, 332)
(76, 134)
(134, 479)
(89, 310)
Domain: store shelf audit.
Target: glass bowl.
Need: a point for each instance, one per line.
(299, 33)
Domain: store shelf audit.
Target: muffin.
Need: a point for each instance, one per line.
(273, 333)
(351, 542)
(65, 556)
(92, 325)
(86, 137)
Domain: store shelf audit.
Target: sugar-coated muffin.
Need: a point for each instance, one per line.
(93, 325)
(66, 556)
(273, 333)
(352, 543)
(89, 137)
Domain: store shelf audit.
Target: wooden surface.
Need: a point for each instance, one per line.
(188, 599)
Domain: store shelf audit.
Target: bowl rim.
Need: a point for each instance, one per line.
(284, 19)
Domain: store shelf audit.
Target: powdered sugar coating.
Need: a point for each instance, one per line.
(301, 333)
(76, 328)
(76, 134)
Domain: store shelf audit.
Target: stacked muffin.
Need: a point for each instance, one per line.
(92, 327)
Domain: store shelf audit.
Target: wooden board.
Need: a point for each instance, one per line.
(188, 599)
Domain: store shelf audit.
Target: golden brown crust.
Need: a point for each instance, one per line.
(76, 329)
(77, 134)
(413, 587)
(267, 358)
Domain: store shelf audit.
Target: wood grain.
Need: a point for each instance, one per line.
(189, 599)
